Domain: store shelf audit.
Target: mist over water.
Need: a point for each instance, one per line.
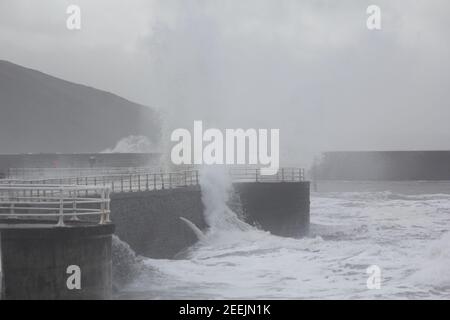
(405, 234)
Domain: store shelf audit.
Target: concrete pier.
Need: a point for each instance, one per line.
(36, 259)
(282, 208)
(146, 209)
(149, 221)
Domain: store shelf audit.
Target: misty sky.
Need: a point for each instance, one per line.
(310, 68)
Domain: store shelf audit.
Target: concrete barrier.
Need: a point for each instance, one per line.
(36, 256)
(150, 221)
(282, 208)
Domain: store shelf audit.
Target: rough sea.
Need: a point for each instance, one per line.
(403, 228)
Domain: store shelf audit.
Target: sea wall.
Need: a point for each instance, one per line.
(383, 165)
(281, 208)
(150, 221)
(35, 260)
(76, 160)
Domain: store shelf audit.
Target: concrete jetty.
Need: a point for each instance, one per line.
(148, 218)
(55, 242)
(52, 227)
(37, 259)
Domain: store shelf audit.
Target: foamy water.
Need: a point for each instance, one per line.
(406, 235)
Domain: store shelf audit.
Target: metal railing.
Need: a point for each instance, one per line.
(154, 181)
(248, 174)
(41, 173)
(124, 182)
(144, 181)
(55, 202)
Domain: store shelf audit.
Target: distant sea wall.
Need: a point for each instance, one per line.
(383, 165)
(76, 160)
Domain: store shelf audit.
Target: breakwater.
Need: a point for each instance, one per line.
(383, 165)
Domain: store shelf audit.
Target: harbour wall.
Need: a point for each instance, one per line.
(36, 258)
(150, 223)
(383, 165)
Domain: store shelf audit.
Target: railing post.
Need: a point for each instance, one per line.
(154, 181)
(108, 206)
(162, 180)
(196, 177)
(257, 173)
(74, 209)
(185, 178)
(146, 182)
(61, 209)
(282, 174)
(131, 181)
(170, 180)
(102, 207)
(139, 182)
(121, 183)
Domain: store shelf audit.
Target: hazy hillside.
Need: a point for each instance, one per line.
(41, 113)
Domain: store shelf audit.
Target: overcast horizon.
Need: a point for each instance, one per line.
(310, 68)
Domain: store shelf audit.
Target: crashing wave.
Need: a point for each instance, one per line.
(132, 144)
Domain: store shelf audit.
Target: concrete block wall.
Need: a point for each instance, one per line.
(281, 208)
(150, 223)
(35, 259)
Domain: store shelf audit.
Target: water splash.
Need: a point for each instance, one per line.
(216, 186)
(198, 233)
(132, 144)
(433, 266)
(126, 265)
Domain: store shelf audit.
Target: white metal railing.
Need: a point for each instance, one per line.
(249, 174)
(144, 181)
(123, 182)
(57, 202)
(41, 173)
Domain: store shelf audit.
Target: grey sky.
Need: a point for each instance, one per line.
(310, 68)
